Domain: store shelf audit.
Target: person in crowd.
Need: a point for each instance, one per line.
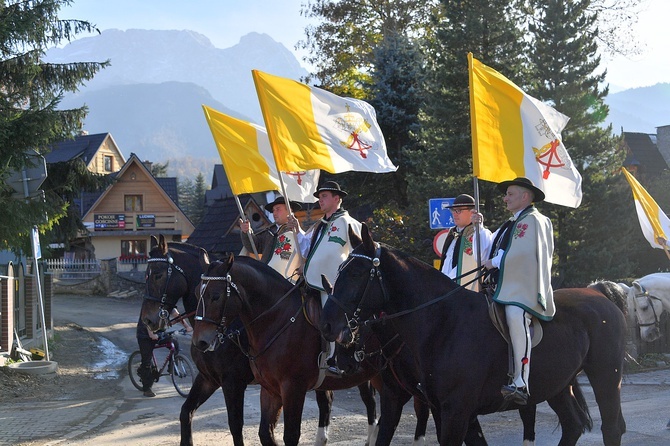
(146, 340)
(521, 264)
(277, 244)
(459, 255)
(326, 245)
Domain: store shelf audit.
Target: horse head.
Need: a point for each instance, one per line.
(358, 292)
(648, 309)
(166, 281)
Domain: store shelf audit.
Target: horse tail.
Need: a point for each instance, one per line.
(582, 408)
(613, 292)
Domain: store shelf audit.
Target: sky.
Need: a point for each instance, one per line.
(224, 22)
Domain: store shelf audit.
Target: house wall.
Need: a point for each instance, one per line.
(108, 148)
(663, 142)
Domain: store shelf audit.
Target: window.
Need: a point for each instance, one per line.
(108, 163)
(133, 203)
(133, 251)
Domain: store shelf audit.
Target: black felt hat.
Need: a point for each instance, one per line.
(462, 201)
(525, 183)
(295, 207)
(330, 186)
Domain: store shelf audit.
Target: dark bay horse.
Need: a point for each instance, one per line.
(173, 273)
(460, 357)
(283, 344)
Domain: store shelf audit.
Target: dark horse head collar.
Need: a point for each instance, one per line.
(163, 312)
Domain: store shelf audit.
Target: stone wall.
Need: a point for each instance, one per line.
(110, 281)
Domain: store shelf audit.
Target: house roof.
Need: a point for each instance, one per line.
(643, 152)
(82, 146)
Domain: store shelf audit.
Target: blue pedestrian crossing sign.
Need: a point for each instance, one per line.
(439, 215)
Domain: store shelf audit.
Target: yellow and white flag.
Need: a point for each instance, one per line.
(310, 128)
(247, 159)
(516, 135)
(653, 221)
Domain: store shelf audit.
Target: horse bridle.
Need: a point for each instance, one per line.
(163, 313)
(221, 326)
(650, 297)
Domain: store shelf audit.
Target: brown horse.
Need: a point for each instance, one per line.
(460, 358)
(283, 345)
(173, 272)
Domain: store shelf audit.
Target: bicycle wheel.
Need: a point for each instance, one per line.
(134, 363)
(182, 374)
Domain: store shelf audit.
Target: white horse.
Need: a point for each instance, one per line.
(649, 296)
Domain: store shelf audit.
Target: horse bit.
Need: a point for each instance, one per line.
(162, 312)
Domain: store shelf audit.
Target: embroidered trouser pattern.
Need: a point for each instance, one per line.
(518, 323)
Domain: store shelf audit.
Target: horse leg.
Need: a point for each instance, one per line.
(324, 399)
(422, 411)
(527, 415)
(294, 403)
(271, 405)
(391, 404)
(455, 423)
(367, 393)
(566, 407)
(233, 392)
(606, 388)
(200, 392)
(475, 436)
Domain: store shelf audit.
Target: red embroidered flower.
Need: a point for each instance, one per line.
(332, 229)
(520, 230)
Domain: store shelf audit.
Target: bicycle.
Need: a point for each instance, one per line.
(178, 366)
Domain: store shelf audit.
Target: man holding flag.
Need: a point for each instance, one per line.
(326, 245)
(516, 135)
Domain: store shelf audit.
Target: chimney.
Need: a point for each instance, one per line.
(147, 164)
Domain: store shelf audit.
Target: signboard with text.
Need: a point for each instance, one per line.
(145, 221)
(109, 221)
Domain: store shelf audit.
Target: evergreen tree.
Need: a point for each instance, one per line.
(566, 73)
(31, 91)
(198, 200)
(443, 167)
(160, 170)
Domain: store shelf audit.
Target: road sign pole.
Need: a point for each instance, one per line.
(36, 256)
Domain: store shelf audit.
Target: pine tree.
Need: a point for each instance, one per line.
(31, 92)
(198, 200)
(565, 66)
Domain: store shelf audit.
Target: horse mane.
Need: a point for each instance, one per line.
(613, 292)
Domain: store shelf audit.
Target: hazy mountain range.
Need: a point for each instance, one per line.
(150, 98)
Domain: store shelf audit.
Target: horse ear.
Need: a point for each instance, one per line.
(354, 239)
(368, 243)
(154, 242)
(231, 259)
(162, 244)
(204, 259)
(327, 287)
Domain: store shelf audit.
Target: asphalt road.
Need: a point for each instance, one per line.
(149, 421)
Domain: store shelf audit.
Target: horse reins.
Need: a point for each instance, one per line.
(162, 312)
(234, 336)
(375, 272)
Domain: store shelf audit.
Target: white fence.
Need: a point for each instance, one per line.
(72, 269)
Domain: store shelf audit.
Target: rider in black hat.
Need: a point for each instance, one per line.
(327, 244)
(522, 254)
(458, 252)
(277, 243)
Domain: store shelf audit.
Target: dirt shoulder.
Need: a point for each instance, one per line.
(75, 350)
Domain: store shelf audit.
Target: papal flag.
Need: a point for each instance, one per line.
(516, 135)
(247, 159)
(310, 128)
(653, 221)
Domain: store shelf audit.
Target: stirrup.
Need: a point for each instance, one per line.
(518, 395)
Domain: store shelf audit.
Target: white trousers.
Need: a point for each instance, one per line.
(518, 323)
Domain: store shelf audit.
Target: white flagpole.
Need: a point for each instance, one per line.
(244, 217)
